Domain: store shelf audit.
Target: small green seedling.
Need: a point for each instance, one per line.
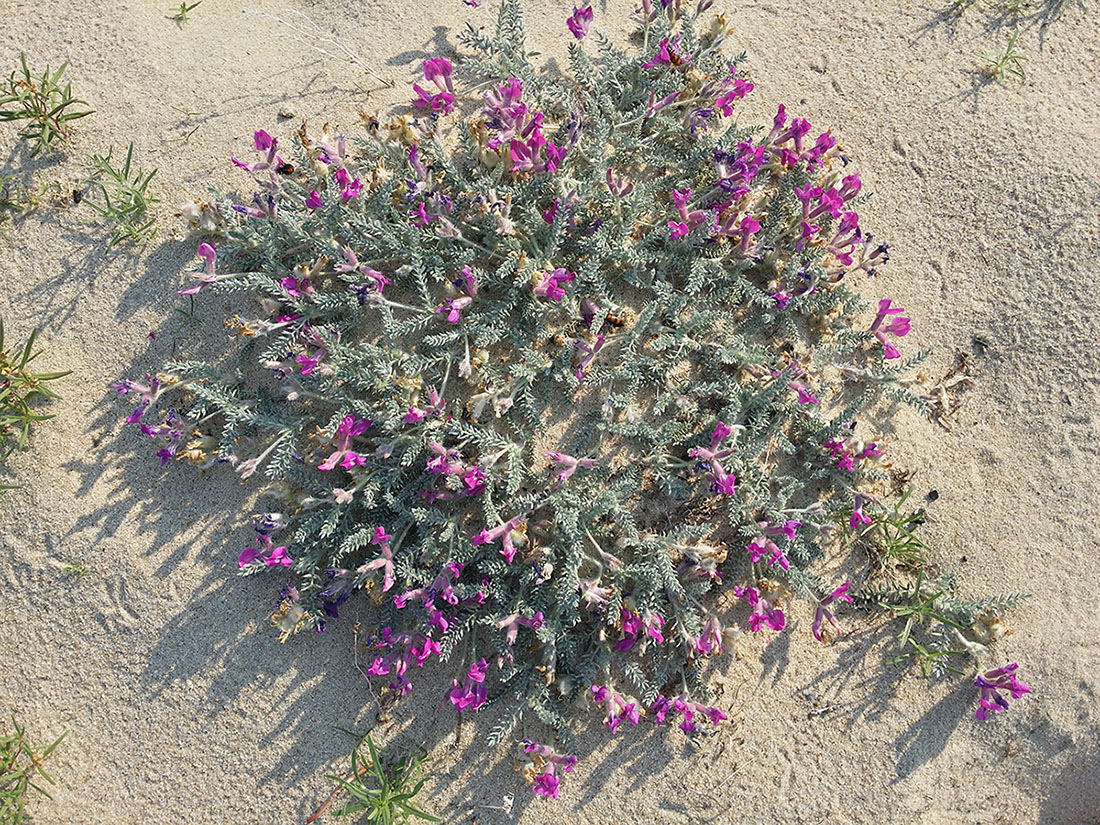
(918, 610)
(18, 388)
(891, 536)
(383, 791)
(180, 14)
(46, 105)
(126, 198)
(1008, 62)
(20, 770)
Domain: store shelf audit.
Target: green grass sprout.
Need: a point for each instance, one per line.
(383, 791)
(126, 197)
(47, 107)
(1008, 62)
(180, 14)
(19, 387)
(20, 770)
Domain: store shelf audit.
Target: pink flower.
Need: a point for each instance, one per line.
(710, 459)
(858, 517)
(474, 691)
(546, 783)
(895, 326)
(579, 22)
(512, 531)
(278, 556)
(453, 308)
(349, 428)
(763, 612)
(664, 53)
(679, 230)
(823, 614)
(313, 200)
(208, 254)
(993, 681)
(618, 708)
(550, 286)
(567, 465)
(384, 562)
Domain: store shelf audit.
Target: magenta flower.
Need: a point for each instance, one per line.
(896, 326)
(349, 428)
(721, 481)
(823, 614)
(275, 555)
(858, 517)
(208, 254)
(710, 640)
(663, 706)
(679, 230)
(548, 760)
(313, 200)
(474, 692)
(453, 308)
(381, 539)
(579, 22)
(664, 53)
(567, 465)
(438, 70)
(263, 143)
(763, 613)
(511, 625)
(513, 532)
(617, 707)
(991, 683)
(405, 649)
(549, 284)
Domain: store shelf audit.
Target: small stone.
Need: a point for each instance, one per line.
(287, 114)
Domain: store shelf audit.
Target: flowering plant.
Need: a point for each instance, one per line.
(543, 397)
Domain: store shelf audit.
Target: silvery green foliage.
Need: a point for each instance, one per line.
(589, 394)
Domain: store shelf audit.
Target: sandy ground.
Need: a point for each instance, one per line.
(181, 704)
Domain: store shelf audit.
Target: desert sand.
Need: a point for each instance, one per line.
(181, 704)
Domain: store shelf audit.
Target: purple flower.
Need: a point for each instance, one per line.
(896, 326)
(349, 428)
(147, 395)
(763, 613)
(513, 532)
(617, 707)
(313, 200)
(549, 284)
(720, 480)
(663, 706)
(548, 760)
(991, 683)
(823, 614)
(474, 691)
(207, 253)
(590, 350)
(578, 23)
(567, 465)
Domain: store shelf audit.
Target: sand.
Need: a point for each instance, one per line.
(180, 703)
